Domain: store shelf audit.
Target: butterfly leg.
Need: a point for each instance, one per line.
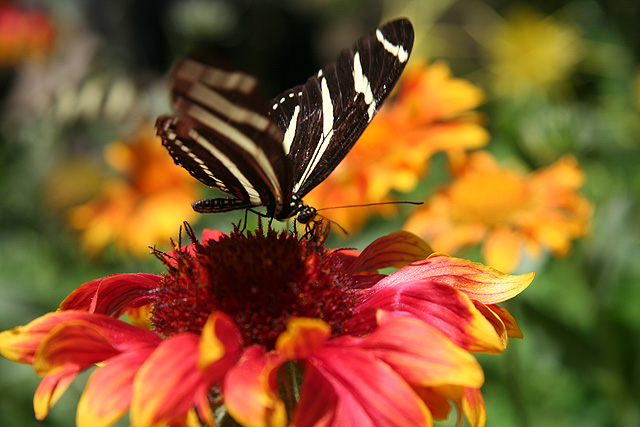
(246, 215)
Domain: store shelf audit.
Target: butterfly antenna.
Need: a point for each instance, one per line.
(393, 202)
(346, 233)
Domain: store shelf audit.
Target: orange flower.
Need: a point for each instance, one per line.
(430, 113)
(233, 310)
(505, 210)
(140, 207)
(23, 34)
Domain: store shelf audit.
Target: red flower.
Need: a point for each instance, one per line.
(24, 34)
(275, 329)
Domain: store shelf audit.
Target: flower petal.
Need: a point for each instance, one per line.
(347, 256)
(140, 316)
(177, 376)
(319, 410)
(302, 337)
(248, 395)
(91, 339)
(351, 387)
(219, 339)
(107, 396)
(473, 407)
(513, 330)
(448, 310)
(51, 388)
(74, 342)
(394, 250)
(480, 282)
(437, 402)
(167, 384)
(495, 321)
(421, 354)
(21, 343)
(112, 294)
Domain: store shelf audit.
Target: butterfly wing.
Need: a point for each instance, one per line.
(224, 137)
(322, 119)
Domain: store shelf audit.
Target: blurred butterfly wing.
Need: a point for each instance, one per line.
(223, 136)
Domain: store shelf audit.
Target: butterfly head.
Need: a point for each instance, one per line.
(305, 213)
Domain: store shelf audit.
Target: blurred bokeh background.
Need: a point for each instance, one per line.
(518, 123)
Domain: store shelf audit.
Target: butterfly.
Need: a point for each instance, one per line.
(272, 154)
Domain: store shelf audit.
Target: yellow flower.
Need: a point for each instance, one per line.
(143, 204)
(531, 53)
(430, 113)
(505, 211)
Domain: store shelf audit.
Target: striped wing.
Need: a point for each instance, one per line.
(224, 137)
(322, 119)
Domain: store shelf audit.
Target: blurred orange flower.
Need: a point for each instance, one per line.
(431, 112)
(505, 210)
(141, 206)
(23, 34)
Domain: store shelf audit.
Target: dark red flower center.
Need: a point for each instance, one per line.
(260, 279)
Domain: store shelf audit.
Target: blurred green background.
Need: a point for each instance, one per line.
(91, 72)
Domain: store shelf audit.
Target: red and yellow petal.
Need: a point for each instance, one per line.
(140, 316)
(107, 396)
(166, 385)
(51, 388)
(473, 408)
(480, 282)
(421, 354)
(220, 343)
(468, 400)
(450, 311)
(74, 342)
(248, 394)
(302, 337)
(87, 340)
(177, 376)
(394, 250)
(512, 328)
(21, 343)
(496, 322)
(437, 402)
(351, 386)
(112, 294)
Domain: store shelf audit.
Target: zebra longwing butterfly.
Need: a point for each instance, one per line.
(273, 154)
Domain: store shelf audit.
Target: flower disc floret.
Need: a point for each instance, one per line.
(259, 279)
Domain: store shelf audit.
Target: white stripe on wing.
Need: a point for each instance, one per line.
(242, 141)
(327, 133)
